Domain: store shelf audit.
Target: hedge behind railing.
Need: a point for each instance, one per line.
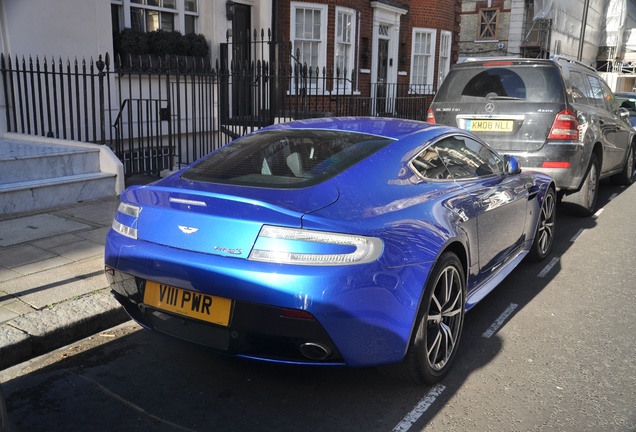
(161, 43)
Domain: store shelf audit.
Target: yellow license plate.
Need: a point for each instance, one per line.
(490, 125)
(188, 303)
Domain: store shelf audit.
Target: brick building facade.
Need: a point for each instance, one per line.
(407, 43)
(485, 28)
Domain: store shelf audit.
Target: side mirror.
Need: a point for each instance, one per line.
(511, 165)
(624, 112)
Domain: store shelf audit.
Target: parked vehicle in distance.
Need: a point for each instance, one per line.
(555, 116)
(335, 241)
(628, 101)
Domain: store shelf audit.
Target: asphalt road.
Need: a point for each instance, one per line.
(552, 349)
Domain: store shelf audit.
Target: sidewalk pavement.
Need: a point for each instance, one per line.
(53, 290)
(52, 285)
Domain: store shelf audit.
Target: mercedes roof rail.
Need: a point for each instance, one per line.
(569, 60)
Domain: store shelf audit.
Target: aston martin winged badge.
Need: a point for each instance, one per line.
(187, 229)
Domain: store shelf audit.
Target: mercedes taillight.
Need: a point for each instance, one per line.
(430, 117)
(565, 126)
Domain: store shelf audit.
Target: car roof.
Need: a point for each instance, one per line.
(393, 128)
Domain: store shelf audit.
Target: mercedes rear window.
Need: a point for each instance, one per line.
(529, 83)
(294, 158)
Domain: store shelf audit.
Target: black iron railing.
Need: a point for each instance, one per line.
(55, 98)
(162, 113)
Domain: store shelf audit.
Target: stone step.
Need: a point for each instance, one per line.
(30, 163)
(44, 193)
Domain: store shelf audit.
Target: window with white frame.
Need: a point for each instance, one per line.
(152, 15)
(422, 61)
(344, 47)
(443, 65)
(190, 13)
(309, 38)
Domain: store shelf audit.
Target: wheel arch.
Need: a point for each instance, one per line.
(554, 187)
(597, 150)
(399, 370)
(459, 249)
(633, 146)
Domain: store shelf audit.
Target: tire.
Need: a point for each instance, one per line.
(439, 325)
(626, 177)
(544, 236)
(583, 202)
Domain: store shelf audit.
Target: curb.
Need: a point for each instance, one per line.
(43, 331)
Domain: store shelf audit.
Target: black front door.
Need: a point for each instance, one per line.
(381, 92)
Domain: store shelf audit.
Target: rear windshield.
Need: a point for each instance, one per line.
(285, 158)
(530, 83)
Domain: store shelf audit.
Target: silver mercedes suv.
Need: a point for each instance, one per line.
(556, 116)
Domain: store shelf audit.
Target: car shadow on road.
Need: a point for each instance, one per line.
(139, 381)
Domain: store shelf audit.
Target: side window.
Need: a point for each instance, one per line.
(628, 103)
(466, 158)
(611, 102)
(580, 89)
(429, 165)
(597, 92)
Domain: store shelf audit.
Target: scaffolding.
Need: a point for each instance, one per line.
(591, 31)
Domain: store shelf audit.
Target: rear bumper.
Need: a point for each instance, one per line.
(255, 331)
(363, 314)
(567, 179)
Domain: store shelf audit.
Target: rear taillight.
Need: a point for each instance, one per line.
(430, 117)
(556, 164)
(498, 63)
(565, 126)
(283, 245)
(126, 220)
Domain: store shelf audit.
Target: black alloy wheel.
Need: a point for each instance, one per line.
(544, 237)
(439, 326)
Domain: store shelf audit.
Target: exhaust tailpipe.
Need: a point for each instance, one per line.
(315, 350)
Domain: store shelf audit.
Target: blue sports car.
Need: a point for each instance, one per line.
(333, 241)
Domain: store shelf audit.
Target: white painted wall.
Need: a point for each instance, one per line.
(81, 29)
(66, 28)
(567, 16)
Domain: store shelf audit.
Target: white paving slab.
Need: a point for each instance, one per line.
(15, 231)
